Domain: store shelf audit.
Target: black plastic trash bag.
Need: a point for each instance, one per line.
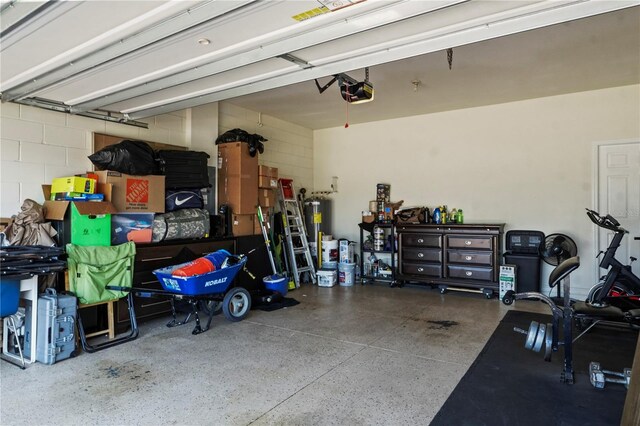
(255, 140)
(130, 157)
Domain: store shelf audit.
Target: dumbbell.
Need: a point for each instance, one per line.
(598, 377)
(537, 335)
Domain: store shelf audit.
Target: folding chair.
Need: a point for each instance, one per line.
(91, 270)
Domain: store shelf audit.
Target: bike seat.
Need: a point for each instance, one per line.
(563, 269)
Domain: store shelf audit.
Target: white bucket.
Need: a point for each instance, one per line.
(346, 274)
(330, 265)
(330, 251)
(326, 278)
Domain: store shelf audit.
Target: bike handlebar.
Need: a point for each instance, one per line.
(607, 222)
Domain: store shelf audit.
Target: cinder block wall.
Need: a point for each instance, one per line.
(289, 146)
(37, 145)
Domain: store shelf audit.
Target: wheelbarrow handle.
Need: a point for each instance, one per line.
(118, 288)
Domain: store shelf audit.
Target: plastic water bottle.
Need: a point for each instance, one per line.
(436, 216)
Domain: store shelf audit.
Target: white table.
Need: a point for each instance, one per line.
(28, 291)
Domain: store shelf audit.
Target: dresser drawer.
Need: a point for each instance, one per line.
(470, 242)
(470, 257)
(470, 273)
(429, 270)
(423, 255)
(421, 240)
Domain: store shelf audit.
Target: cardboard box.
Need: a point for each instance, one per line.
(266, 197)
(345, 251)
(257, 230)
(267, 182)
(135, 227)
(242, 224)
(142, 194)
(507, 279)
(84, 223)
(237, 178)
(264, 170)
(271, 172)
(368, 217)
(73, 184)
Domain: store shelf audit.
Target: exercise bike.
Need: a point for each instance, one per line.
(620, 287)
(615, 300)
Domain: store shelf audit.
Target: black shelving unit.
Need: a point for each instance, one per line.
(389, 230)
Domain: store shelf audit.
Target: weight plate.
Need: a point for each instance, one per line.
(542, 329)
(548, 342)
(531, 336)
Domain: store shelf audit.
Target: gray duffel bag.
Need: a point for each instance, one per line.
(181, 224)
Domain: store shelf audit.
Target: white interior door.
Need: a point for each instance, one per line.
(619, 195)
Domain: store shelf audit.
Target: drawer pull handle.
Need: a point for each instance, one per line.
(467, 242)
(420, 269)
(468, 257)
(420, 240)
(469, 273)
(420, 254)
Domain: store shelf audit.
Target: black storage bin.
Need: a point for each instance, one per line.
(184, 169)
(523, 252)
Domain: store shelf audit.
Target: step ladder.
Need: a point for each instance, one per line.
(300, 260)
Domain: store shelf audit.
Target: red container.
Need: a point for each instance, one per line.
(200, 266)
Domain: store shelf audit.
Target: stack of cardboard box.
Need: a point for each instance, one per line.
(243, 185)
(100, 222)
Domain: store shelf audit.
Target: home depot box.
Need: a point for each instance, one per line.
(242, 224)
(266, 197)
(237, 178)
(84, 223)
(143, 194)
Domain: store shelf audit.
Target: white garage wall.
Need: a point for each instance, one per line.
(37, 145)
(527, 164)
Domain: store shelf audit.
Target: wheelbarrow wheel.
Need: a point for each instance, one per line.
(236, 304)
(210, 307)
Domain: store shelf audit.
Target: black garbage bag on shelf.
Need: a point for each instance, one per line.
(129, 156)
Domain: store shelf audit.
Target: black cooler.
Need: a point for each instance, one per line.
(523, 252)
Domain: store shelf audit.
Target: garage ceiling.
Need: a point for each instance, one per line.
(130, 60)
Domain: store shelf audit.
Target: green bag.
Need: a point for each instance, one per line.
(92, 268)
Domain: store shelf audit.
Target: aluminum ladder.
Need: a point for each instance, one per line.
(300, 260)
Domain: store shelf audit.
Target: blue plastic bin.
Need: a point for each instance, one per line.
(9, 296)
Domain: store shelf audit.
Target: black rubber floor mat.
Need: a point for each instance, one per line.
(510, 385)
(285, 302)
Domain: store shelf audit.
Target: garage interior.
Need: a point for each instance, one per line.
(520, 113)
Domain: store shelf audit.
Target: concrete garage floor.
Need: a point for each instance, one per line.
(344, 355)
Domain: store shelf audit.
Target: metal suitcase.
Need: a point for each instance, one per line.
(56, 339)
